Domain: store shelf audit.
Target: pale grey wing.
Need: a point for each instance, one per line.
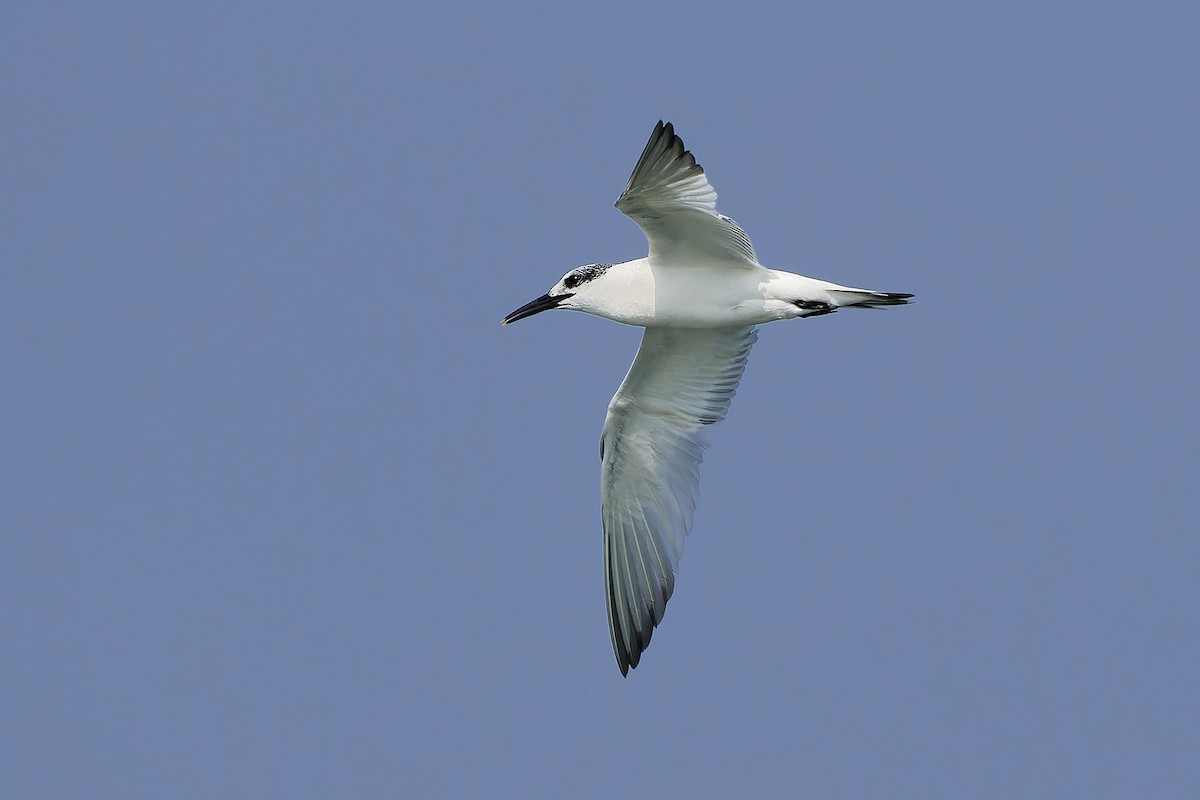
(650, 452)
(670, 198)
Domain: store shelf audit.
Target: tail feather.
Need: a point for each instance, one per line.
(863, 298)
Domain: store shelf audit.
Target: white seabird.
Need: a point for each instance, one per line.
(699, 294)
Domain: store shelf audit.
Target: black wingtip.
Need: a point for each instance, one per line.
(623, 661)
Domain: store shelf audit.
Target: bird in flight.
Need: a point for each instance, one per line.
(699, 294)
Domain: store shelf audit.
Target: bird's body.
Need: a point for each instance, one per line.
(699, 293)
(650, 295)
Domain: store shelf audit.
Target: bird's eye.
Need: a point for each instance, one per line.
(572, 280)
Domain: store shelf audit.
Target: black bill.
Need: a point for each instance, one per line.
(543, 303)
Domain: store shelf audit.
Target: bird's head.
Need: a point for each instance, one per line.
(571, 292)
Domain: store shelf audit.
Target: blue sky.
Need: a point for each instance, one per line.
(287, 514)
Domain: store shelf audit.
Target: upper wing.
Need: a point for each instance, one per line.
(672, 201)
(650, 455)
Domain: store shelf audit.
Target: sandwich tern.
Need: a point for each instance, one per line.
(699, 293)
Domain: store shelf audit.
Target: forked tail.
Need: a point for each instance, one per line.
(863, 298)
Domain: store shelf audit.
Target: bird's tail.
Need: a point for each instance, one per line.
(864, 298)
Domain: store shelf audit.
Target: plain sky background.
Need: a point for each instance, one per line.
(286, 513)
